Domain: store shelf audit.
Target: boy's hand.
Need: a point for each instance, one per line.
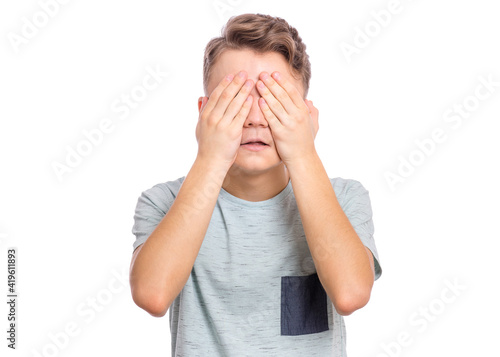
(293, 121)
(221, 119)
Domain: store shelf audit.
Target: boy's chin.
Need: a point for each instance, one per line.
(254, 166)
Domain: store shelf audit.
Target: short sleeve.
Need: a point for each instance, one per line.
(357, 206)
(152, 206)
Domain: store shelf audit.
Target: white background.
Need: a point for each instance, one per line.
(74, 236)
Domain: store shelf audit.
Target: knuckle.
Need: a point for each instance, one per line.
(217, 126)
(203, 116)
(247, 88)
(239, 80)
(226, 95)
(244, 107)
(215, 94)
(281, 97)
(211, 120)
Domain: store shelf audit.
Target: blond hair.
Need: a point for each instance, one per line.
(261, 33)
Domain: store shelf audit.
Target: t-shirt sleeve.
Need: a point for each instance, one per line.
(151, 207)
(358, 209)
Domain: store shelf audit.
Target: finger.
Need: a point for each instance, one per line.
(273, 103)
(278, 92)
(228, 94)
(314, 115)
(290, 88)
(214, 96)
(242, 115)
(313, 110)
(234, 108)
(309, 106)
(271, 118)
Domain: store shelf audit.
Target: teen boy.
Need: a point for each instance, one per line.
(256, 251)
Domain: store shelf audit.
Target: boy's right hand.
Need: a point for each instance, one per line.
(222, 115)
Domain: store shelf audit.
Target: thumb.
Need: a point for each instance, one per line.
(314, 116)
(309, 104)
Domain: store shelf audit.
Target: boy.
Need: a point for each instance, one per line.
(255, 251)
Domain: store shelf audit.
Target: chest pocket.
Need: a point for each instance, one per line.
(303, 305)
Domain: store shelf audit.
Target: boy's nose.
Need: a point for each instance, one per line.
(255, 116)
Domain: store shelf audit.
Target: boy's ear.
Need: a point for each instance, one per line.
(200, 101)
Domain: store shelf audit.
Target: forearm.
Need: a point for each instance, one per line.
(340, 257)
(165, 260)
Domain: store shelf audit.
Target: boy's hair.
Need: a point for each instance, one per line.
(261, 33)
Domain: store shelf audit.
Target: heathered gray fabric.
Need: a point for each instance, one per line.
(231, 303)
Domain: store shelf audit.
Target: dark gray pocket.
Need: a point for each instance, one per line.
(303, 305)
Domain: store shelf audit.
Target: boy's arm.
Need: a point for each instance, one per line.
(161, 266)
(345, 267)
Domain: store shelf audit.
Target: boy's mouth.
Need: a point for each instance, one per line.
(254, 140)
(255, 143)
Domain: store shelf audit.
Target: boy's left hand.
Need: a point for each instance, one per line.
(293, 121)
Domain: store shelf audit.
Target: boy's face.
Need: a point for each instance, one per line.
(249, 159)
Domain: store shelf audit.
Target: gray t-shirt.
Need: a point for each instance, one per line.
(253, 290)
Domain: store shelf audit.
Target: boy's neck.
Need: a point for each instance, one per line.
(256, 187)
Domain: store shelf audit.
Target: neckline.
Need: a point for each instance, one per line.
(257, 204)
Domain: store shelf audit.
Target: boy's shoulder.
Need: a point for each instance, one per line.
(347, 187)
(165, 188)
(162, 195)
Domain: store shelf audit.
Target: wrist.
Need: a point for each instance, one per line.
(303, 162)
(211, 167)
